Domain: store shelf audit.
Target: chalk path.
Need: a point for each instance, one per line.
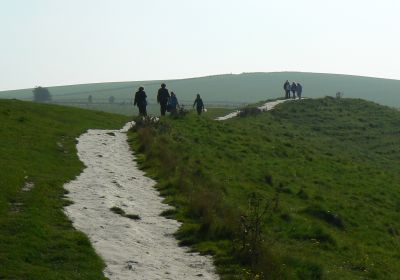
(143, 249)
(266, 107)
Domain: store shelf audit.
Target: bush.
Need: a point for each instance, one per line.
(180, 113)
(145, 122)
(252, 224)
(41, 94)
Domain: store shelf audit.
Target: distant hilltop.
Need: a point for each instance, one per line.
(234, 88)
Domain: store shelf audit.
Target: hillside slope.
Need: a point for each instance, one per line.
(327, 168)
(38, 156)
(228, 89)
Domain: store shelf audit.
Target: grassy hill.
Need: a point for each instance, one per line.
(319, 178)
(38, 156)
(223, 90)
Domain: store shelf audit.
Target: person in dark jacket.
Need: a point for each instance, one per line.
(299, 90)
(293, 89)
(286, 87)
(173, 104)
(162, 98)
(140, 101)
(199, 104)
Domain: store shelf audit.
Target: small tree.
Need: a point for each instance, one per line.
(251, 227)
(41, 94)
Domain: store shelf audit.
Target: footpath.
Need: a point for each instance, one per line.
(266, 107)
(142, 249)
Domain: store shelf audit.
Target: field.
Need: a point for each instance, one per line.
(38, 156)
(309, 190)
(226, 91)
(306, 191)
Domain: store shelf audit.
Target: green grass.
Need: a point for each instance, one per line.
(38, 141)
(331, 166)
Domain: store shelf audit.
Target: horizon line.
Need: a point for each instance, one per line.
(199, 77)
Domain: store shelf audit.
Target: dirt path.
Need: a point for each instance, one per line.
(266, 107)
(143, 249)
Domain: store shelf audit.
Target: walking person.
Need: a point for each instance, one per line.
(299, 90)
(162, 98)
(286, 87)
(141, 102)
(199, 104)
(293, 89)
(173, 104)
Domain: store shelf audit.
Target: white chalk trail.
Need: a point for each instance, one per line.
(229, 116)
(266, 107)
(144, 249)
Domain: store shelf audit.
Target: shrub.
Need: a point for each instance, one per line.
(41, 94)
(252, 224)
(145, 122)
(180, 113)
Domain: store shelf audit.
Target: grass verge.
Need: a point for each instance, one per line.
(324, 175)
(37, 149)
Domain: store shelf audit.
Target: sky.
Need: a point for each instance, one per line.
(61, 42)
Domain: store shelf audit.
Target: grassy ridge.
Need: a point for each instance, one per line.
(332, 164)
(225, 89)
(38, 156)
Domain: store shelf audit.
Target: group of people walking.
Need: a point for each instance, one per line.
(168, 101)
(295, 88)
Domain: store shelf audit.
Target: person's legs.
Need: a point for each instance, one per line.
(199, 111)
(163, 108)
(142, 110)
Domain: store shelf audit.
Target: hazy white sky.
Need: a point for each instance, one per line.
(57, 42)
